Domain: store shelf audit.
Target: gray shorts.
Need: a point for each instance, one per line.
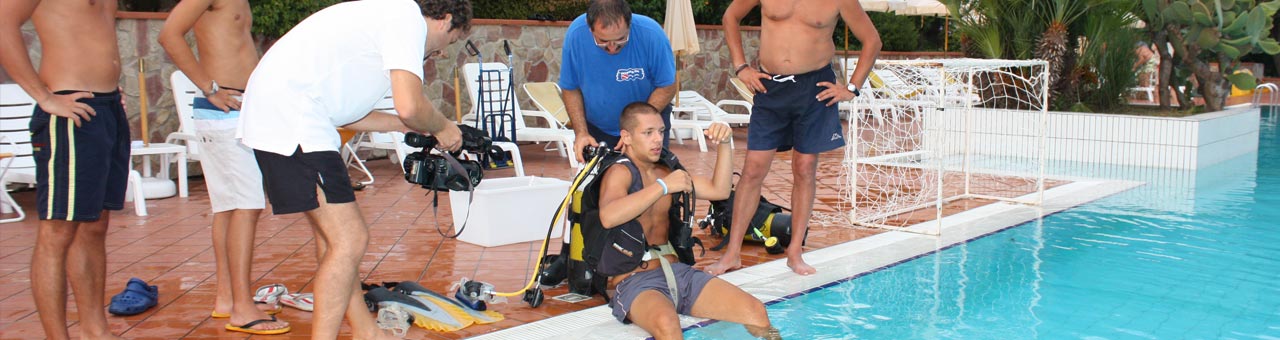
(689, 283)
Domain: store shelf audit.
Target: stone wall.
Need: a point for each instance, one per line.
(536, 46)
(536, 49)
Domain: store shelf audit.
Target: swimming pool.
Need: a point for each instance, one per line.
(1197, 258)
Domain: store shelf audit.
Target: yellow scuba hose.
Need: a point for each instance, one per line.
(564, 204)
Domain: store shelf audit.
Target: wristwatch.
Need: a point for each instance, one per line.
(214, 89)
(855, 91)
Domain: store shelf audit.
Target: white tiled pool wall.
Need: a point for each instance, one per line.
(1176, 143)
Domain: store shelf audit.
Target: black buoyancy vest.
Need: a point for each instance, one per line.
(620, 249)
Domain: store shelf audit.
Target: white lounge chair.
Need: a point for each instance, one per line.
(715, 112)
(16, 108)
(184, 92)
(546, 96)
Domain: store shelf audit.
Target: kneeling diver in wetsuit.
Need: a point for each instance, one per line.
(639, 192)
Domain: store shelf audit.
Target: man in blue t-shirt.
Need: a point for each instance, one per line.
(612, 58)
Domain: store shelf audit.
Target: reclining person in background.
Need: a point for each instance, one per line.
(638, 192)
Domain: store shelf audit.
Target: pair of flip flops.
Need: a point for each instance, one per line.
(136, 298)
(301, 301)
(278, 294)
(248, 327)
(266, 295)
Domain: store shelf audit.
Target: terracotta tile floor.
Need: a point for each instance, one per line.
(171, 248)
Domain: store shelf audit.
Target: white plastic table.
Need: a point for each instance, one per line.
(140, 181)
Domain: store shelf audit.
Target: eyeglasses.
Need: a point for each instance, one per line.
(617, 43)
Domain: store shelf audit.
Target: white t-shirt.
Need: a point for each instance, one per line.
(328, 71)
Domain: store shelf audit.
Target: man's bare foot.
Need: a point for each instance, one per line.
(797, 264)
(726, 264)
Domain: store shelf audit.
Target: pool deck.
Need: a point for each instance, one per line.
(171, 248)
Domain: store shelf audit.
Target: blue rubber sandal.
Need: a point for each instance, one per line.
(136, 298)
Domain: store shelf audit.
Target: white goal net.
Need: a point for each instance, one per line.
(934, 136)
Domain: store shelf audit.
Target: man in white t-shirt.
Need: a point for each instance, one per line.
(328, 72)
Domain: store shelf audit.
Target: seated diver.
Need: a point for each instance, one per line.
(645, 295)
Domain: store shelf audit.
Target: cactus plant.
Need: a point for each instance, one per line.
(1203, 33)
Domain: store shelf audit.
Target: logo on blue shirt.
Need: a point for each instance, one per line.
(630, 74)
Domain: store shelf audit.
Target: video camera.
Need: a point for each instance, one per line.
(443, 172)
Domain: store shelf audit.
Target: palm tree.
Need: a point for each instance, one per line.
(1052, 46)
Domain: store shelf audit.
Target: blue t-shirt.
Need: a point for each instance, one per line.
(610, 82)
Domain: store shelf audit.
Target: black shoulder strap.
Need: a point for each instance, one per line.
(669, 159)
(637, 181)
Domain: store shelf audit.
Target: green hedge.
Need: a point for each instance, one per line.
(272, 18)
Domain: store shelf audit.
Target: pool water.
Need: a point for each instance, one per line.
(1195, 259)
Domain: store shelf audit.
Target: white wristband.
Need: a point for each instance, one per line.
(664, 186)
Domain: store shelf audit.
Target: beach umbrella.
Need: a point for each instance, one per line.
(928, 8)
(882, 5)
(680, 30)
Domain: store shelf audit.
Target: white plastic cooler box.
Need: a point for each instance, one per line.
(508, 210)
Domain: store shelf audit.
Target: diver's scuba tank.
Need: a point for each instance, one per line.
(776, 224)
(579, 274)
(571, 264)
(770, 225)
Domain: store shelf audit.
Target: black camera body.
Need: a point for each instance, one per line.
(441, 172)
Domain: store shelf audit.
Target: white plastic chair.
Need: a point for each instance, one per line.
(686, 119)
(375, 140)
(7, 204)
(708, 113)
(16, 108)
(184, 91)
(1150, 89)
(715, 111)
(501, 99)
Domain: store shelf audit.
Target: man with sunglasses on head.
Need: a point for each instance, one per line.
(611, 58)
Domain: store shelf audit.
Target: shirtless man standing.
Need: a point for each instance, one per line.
(227, 57)
(794, 105)
(80, 138)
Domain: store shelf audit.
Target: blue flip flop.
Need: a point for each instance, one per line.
(136, 298)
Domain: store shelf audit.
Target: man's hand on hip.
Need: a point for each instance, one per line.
(752, 79)
(834, 93)
(226, 100)
(67, 106)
